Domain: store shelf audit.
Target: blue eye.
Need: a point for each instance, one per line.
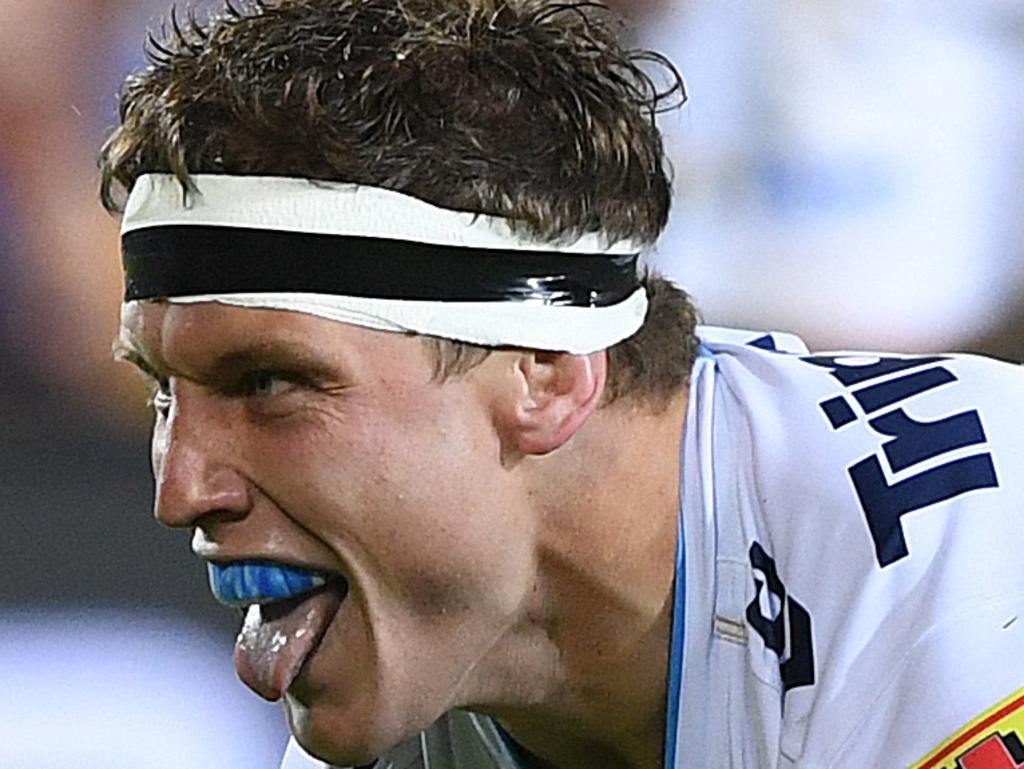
(262, 384)
(266, 384)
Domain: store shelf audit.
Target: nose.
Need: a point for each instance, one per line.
(195, 451)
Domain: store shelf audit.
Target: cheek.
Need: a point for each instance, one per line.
(411, 495)
(449, 539)
(398, 449)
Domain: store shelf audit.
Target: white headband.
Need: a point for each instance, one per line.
(378, 259)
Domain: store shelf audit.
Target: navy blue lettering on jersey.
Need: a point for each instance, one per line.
(849, 371)
(766, 342)
(838, 412)
(907, 443)
(781, 622)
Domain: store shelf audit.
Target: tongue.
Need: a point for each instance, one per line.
(272, 646)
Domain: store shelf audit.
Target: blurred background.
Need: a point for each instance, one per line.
(849, 170)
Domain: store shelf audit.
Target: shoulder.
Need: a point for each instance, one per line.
(882, 498)
(802, 411)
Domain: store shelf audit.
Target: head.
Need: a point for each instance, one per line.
(407, 464)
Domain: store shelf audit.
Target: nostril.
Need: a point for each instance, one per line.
(189, 491)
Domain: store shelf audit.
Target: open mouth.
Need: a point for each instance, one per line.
(287, 614)
(245, 583)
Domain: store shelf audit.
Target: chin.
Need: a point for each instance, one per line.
(343, 739)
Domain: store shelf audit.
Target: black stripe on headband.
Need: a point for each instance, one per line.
(188, 260)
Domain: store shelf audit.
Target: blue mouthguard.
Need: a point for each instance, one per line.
(246, 583)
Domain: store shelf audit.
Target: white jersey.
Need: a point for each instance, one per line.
(853, 531)
(854, 561)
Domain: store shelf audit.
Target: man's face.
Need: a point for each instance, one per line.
(286, 438)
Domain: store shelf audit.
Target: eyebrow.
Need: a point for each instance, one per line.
(284, 356)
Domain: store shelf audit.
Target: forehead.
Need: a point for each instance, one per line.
(201, 334)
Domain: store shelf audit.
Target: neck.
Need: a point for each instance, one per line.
(589, 663)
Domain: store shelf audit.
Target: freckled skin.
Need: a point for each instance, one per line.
(462, 567)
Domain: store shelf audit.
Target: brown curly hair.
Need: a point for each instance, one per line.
(525, 109)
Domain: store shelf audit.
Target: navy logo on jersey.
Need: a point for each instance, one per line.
(783, 624)
(909, 443)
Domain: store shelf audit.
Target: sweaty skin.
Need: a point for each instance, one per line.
(507, 543)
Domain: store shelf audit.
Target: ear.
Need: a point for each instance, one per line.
(558, 394)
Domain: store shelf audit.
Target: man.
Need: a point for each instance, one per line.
(433, 432)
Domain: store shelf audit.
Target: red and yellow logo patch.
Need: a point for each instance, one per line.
(994, 740)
